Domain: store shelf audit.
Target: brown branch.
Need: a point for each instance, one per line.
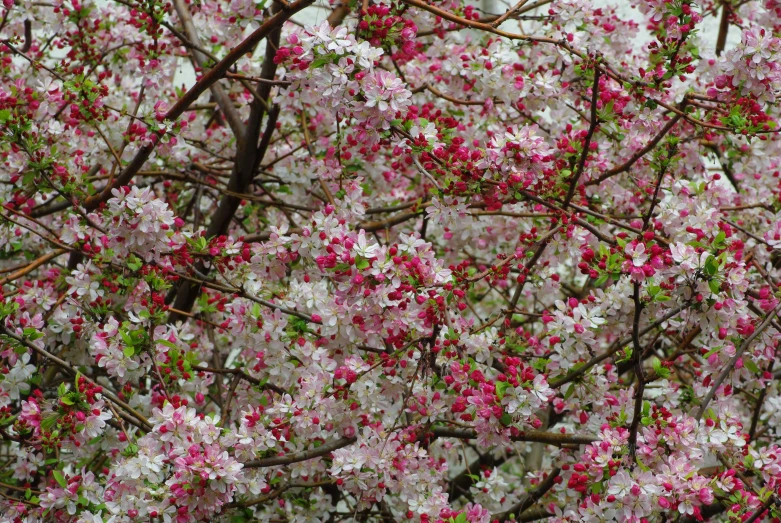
(140, 421)
(272, 24)
(31, 266)
(752, 431)
(447, 15)
(241, 374)
(339, 13)
(639, 154)
(249, 154)
(551, 438)
(28, 35)
(436, 92)
(508, 13)
(721, 39)
(322, 450)
(530, 498)
(571, 376)
(637, 360)
(543, 243)
(200, 60)
(761, 510)
(587, 143)
(731, 364)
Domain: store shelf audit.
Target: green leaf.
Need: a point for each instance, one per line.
(540, 364)
(506, 419)
(711, 352)
(130, 450)
(461, 518)
(134, 263)
(715, 286)
(751, 366)
(661, 371)
(642, 465)
(711, 266)
(601, 280)
(570, 392)
(60, 478)
(32, 333)
(501, 387)
(325, 59)
(129, 351)
(169, 344)
(126, 337)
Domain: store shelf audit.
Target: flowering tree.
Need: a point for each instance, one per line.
(412, 263)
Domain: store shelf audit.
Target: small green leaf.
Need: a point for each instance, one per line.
(642, 465)
(325, 59)
(661, 371)
(126, 337)
(751, 366)
(169, 344)
(60, 478)
(570, 392)
(711, 266)
(501, 387)
(134, 263)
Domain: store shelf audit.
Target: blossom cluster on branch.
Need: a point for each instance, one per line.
(411, 262)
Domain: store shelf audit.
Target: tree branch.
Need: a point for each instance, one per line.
(200, 60)
(289, 459)
(272, 24)
(530, 498)
(728, 368)
(551, 438)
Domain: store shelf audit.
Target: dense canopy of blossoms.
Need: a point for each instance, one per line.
(412, 262)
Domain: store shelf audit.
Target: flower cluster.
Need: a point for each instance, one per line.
(415, 262)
